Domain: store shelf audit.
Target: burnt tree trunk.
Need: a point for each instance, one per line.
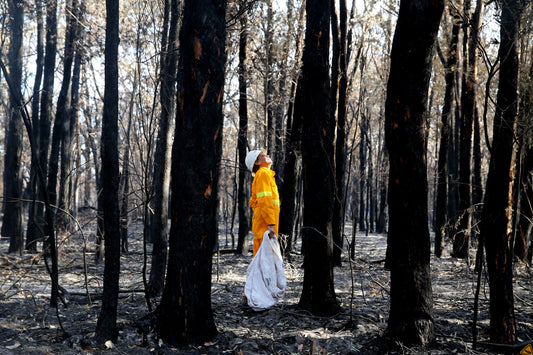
(340, 160)
(495, 218)
(441, 219)
(524, 227)
(318, 293)
(124, 184)
(184, 315)
(461, 240)
(363, 176)
(477, 188)
(106, 327)
(163, 153)
(62, 109)
(70, 124)
(525, 210)
(290, 190)
(13, 207)
(33, 221)
(243, 191)
(36, 229)
(411, 303)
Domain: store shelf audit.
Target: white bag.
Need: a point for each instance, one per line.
(265, 278)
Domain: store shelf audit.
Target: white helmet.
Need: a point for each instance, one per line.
(251, 157)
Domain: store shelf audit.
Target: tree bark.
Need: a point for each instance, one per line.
(12, 227)
(124, 184)
(106, 327)
(318, 294)
(411, 305)
(184, 315)
(33, 221)
(495, 218)
(63, 107)
(441, 219)
(477, 188)
(362, 173)
(163, 153)
(71, 121)
(292, 171)
(340, 158)
(243, 191)
(461, 241)
(524, 226)
(37, 230)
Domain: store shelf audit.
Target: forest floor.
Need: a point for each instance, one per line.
(29, 326)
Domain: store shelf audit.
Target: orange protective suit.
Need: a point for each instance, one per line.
(265, 204)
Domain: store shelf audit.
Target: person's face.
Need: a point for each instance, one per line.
(263, 160)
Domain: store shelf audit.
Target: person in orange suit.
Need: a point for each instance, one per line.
(265, 197)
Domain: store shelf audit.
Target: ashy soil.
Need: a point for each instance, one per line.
(29, 326)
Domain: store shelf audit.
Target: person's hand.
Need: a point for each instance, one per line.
(271, 233)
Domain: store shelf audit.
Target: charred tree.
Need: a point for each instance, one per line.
(12, 227)
(36, 229)
(106, 327)
(441, 219)
(524, 226)
(184, 315)
(408, 248)
(31, 238)
(62, 109)
(242, 139)
(461, 240)
(70, 126)
(477, 188)
(290, 190)
(124, 184)
(162, 159)
(318, 293)
(340, 159)
(363, 176)
(495, 217)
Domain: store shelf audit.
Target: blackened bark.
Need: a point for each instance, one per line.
(36, 229)
(290, 189)
(441, 219)
(268, 83)
(31, 235)
(184, 315)
(292, 175)
(99, 235)
(411, 308)
(163, 154)
(363, 176)
(124, 184)
(370, 195)
(495, 218)
(243, 194)
(525, 202)
(381, 226)
(63, 219)
(461, 241)
(340, 158)
(453, 169)
(13, 207)
(63, 107)
(524, 227)
(318, 294)
(106, 327)
(477, 188)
